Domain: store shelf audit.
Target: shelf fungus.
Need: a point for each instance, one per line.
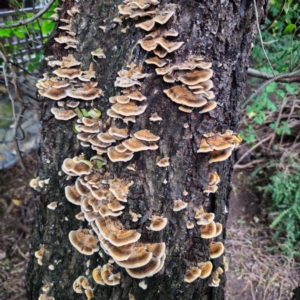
(216, 249)
(219, 145)
(179, 205)
(80, 283)
(83, 241)
(208, 231)
(192, 274)
(158, 223)
(206, 268)
(39, 255)
(164, 162)
(215, 280)
(202, 217)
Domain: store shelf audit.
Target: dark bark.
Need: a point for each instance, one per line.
(220, 34)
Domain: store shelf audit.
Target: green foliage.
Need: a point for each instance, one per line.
(35, 32)
(284, 189)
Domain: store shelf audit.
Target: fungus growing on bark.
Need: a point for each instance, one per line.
(75, 166)
(128, 109)
(88, 92)
(143, 285)
(215, 280)
(208, 231)
(155, 117)
(138, 258)
(116, 156)
(189, 225)
(179, 205)
(83, 241)
(202, 217)
(34, 182)
(97, 276)
(214, 178)
(54, 93)
(151, 44)
(182, 95)
(192, 274)
(73, 104)
(130, 167)
(117, 253)
(146, 135)
(148, 270)
(209, 106)
(164, 162)
(87, 75)
(113, 114)
(220, 155)
(135, 216)
(89, 293)
(158, 223)
(206, 268)
(156, 61)
(219, 228)
(210, 189)
(39, 254)
(134, 145)
(216, 249)
(120, 188)
(52, 205)
(194, 76)
(79, 283)
(66, 40)
(68, 73)
(108, 277)
(118, 133)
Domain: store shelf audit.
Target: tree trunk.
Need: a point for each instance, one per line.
(222, 34)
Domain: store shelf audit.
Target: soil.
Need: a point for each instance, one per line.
(254, 273)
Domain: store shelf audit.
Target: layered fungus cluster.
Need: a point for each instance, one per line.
(102, 197)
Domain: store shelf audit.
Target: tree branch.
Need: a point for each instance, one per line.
(274, 78)
(27, 21)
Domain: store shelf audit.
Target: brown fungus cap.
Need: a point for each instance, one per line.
(117, 253)
(155, 117)
(147, 270)
(206, 85)
(115, 205)
(108, 277)
(73, 104)
(182, 95)
(113, 114)
(87, 75)
(138, 258)
(129, 119)
(217, 156)
(192, 274)
(54, 93)
(83, 241)
(164, 162)
(105, 137)
(204, 147)
(116, 156)
(72, 195)
(66, 39)
(128, 109)
(216, 249)
(88, 92)
(156, 61)
(134, 145)
(135, 216)
(158, 223)
(168, 46)
(157, 249)
(189, 225)
(194, 76)
(118, 133)
(120, 188)
(40, 252)
(210, 189)
(160, 52)
(68, 73)
(214, 178)
(185, 109)
(206, 268)
(78, 168)
(62, 114)
(209, 106)
(179, 205)
(208, 231)
(146, 135)
(219, 229)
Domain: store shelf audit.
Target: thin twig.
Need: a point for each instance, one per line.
(275, 78)
(260, 37)
(251, 149)
(27, 21)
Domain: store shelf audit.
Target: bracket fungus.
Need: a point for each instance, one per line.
(62, 114)
(158, 223)
(216, 249)
(179, 205)
(206, 268)
(164, 162)
(83, 241)
(192, 274)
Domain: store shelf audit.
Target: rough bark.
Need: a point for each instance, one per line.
(221, 33)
